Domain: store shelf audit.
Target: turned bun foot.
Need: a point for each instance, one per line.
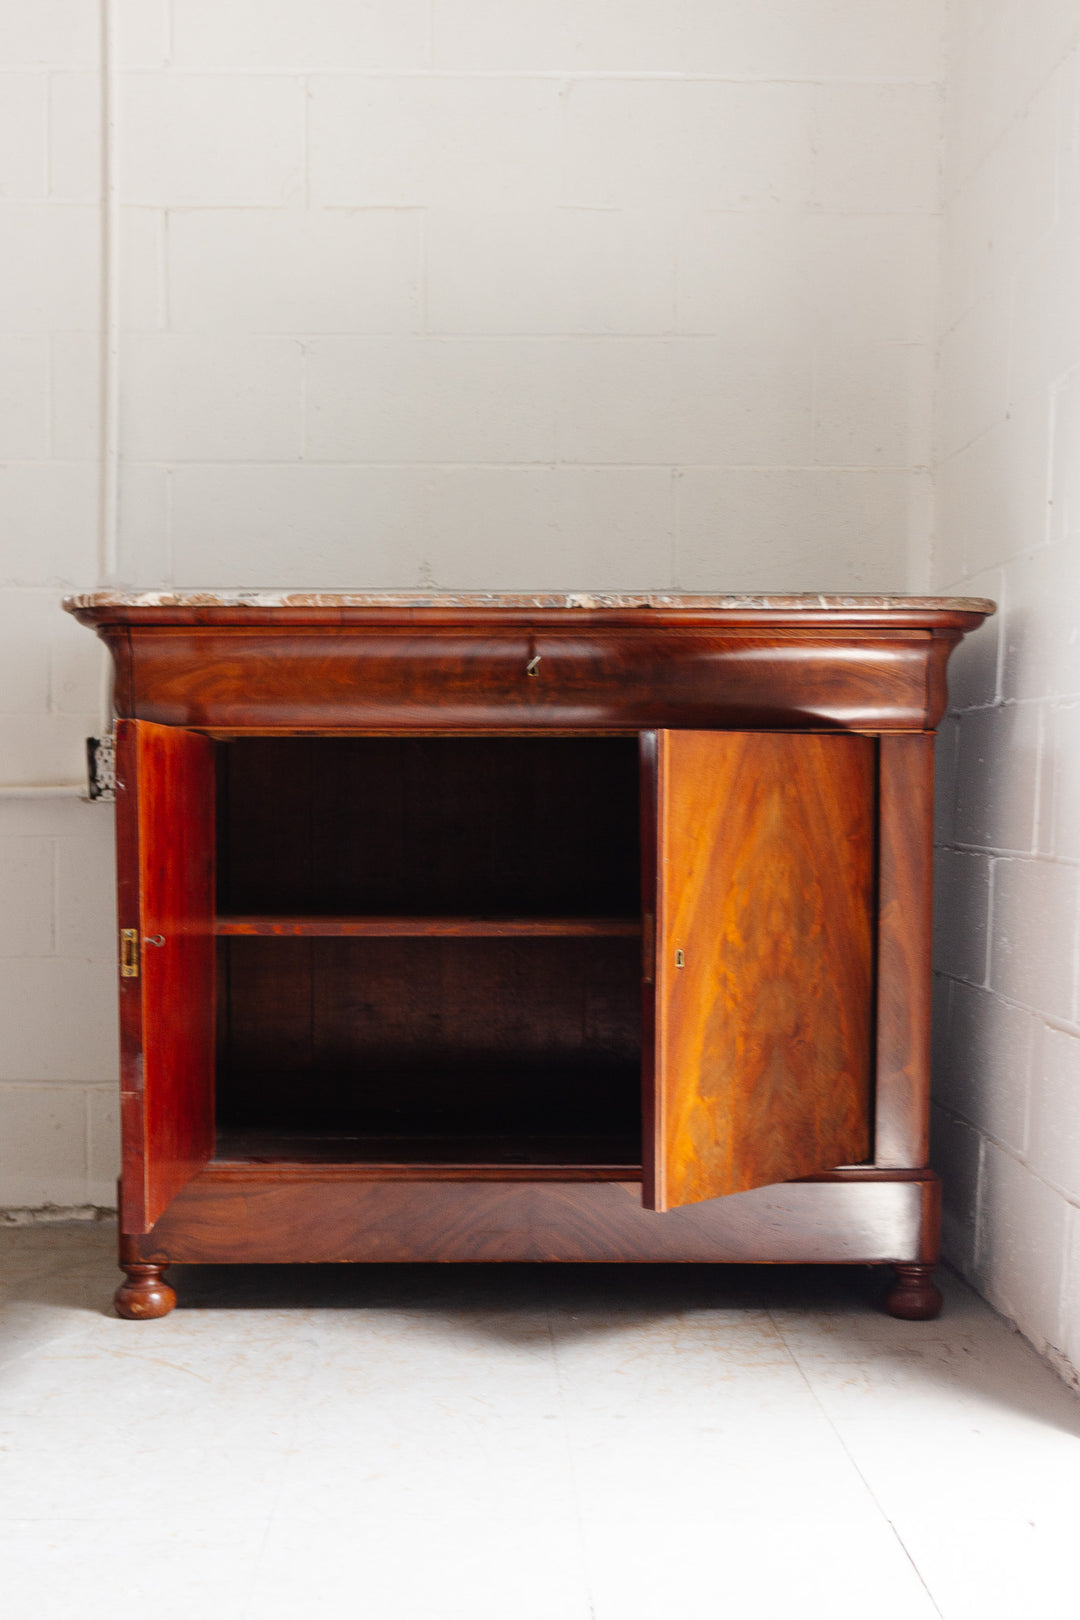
(144, 1294)
(914, 1296)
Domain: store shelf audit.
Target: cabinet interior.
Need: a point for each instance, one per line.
(430, 950)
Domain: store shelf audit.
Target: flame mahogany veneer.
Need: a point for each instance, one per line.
(526, 928)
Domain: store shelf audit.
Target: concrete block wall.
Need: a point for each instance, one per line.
(57, 1027)
(562, 293)
(50, 373)
(1007, 1114)
(59, 1115)
(534, 295)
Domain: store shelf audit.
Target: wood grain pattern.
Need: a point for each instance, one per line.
(409, 784)
(454, 1035)
(437, 1157)
(431, 927)
(144, 1295)
(905, 908)
(945, 638)
(764, 973)
(165, 862)
(526, 827)
(374, 678)
(222, 1217)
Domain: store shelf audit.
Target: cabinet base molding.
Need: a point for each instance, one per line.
(272, 1219)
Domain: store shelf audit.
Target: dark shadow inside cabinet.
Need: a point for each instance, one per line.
(430, 951)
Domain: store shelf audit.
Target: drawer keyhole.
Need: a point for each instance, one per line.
(533, 667)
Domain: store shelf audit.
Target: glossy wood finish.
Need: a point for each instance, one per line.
(905, 918)
(430, 900)
(430, 927)
(144, 1295)
(604, 678)
(411, 661)
(165, 862)
(764, 961)
(257, 1216)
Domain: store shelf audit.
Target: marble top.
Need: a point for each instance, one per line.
(588, 600)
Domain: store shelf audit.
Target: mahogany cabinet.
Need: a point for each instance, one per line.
(525, 928)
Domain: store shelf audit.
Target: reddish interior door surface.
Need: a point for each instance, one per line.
(165, 859)
(761, 861)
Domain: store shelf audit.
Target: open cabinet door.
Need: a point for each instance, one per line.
(165, 860)
(759, 853)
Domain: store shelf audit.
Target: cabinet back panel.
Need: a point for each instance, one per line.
(412, 826)
(432, 1034)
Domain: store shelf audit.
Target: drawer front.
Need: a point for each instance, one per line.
(401, 680)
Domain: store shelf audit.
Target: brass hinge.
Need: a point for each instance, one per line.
(129, 953)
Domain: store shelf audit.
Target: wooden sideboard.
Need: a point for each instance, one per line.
(525, 928)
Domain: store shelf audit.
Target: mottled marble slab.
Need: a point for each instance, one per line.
(589, 600)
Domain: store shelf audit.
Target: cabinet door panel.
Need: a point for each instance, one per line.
(762, 865)
(165, 859)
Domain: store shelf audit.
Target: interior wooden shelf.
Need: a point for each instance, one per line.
(514, 1155)
(429, 927)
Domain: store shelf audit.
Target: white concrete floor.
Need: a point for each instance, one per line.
(526, 1443)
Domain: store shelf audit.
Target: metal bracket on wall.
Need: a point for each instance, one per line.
(101, 767)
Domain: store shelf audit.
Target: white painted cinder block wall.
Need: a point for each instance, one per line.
(560, 291)
(1008, 526)
(57, 1030)
(567, 293)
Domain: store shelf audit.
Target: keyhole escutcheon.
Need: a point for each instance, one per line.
(680, 959)
(532, 668)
